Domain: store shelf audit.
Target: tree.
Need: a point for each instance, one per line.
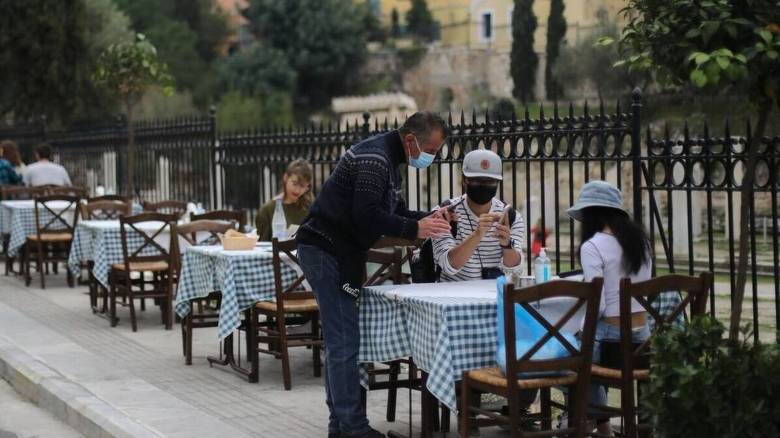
(128, 70)
(713, 44)
(420, 22)
(395, 26)
(323, 41)
(556, 31)
(44, 67)
(524, 60)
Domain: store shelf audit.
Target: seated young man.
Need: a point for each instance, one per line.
(488, 238)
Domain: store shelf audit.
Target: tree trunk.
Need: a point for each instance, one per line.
(744, 216)
(130, 174)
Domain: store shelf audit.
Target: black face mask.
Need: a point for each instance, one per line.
(480, 194)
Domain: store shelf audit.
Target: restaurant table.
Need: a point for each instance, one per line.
(17, 218)
(447, 328)
(101, 242)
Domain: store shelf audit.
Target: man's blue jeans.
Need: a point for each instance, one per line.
(340, 328)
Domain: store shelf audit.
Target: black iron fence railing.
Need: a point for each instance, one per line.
(685, 188)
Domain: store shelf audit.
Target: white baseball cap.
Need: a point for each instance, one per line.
(482, 163)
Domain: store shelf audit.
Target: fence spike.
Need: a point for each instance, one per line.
(376, 124)
(686, 133)
(617, 110)
(585, 110)
(555, 109)
(487, 119)
(541, 113)
(395, 123)
(667, 137)
(473, 117)
(527, 116)
(727, 133)
(462, 119)
(449, 118)
(601, 107)
(514, 117)
(571, 110)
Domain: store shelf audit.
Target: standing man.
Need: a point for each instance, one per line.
(43, 171)
(359, 203)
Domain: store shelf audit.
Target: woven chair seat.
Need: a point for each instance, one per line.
(142, 266)
(616, 374)
(495, 377)
(51, 237)
(290, 306)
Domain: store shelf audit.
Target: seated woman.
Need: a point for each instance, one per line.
(612, 247)
(8, 174)
(296, 199)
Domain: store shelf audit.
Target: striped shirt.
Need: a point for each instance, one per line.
(487, 255)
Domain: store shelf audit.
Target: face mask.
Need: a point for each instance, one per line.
(423, 160)
(481, 194)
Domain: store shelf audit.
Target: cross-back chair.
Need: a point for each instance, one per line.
(176, 208)
(142, 256)
(204, 312)
(238, 217)
(634, 358)
(81, 192)
(120, 198)
(292, 299)
(525, 372)
(54, 228)
(14, 193)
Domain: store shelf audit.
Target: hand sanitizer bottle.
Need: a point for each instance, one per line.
(279, 222)
(542, 267)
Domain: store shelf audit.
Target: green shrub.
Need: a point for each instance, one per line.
(703, 385)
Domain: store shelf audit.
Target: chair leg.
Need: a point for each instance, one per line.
(131, 304)
(43, 267)
(392, 391)
(627, 406)
(112, 304)
(546, 411)
(188, 340)
(284, 354)
(465, 392)
(26, 265)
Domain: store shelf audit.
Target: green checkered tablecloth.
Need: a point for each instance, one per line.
(243, 277)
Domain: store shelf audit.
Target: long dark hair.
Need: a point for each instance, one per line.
(630, 235)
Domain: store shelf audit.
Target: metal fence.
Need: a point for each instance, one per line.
(684, 187)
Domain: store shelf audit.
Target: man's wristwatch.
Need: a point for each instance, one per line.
(510, 246)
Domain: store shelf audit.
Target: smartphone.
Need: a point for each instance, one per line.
(505, 217)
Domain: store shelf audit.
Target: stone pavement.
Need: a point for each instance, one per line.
(52, 344)
(21, 419)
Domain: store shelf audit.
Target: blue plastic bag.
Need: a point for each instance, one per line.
(528, 331)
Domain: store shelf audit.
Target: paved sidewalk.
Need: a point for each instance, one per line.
(19, 418)
(142, 375)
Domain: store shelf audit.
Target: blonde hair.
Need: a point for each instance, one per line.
(301, 169)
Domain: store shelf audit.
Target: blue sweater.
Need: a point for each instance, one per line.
(361, 200)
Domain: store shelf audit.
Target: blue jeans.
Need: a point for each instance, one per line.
(341, 332)
(609, 332)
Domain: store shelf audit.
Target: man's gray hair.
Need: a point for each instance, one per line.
(422, 124)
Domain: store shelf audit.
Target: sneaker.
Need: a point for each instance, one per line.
(371, 433)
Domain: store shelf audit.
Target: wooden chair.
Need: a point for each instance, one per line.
(207, 314)
(291, 299)
(572, 371)
(148, 257)
(14, 193)
(176, 208)
(120, 198)
(100, 209)
(390, 261)
(80, 192)
(238, 217)
(53, 235)
(635, 358)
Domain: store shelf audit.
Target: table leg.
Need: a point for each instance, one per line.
(427, 412)
(230, 359)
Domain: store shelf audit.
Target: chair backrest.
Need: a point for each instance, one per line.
(695, 291)
(579, 360)
(120, 198)
(177, 208)
(390, 261)
(238, 217)
(13, 193)
(148, 249)
(80, 192)
(284, 252)
(51, 218)
(211, 228)
(105, 210)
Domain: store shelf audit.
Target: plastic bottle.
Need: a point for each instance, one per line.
(542, 267)
(279, 222)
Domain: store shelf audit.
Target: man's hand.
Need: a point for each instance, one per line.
(446, 214)
(486, 222)
(432, 226)
(503, 234)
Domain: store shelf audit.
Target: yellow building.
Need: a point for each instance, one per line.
(487, 24)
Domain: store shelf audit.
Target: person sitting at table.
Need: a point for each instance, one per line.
(612, 247)
(485, 239)
(44, 172)
(8, 175)
(9, 150)
(296, 198)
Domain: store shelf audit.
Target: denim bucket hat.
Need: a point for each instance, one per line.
(596, 194)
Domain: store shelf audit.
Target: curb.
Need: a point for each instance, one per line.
(70, 402)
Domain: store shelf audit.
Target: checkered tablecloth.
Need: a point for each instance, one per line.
(17, 218)
(448, 330)
(243, 277)
(101, 242)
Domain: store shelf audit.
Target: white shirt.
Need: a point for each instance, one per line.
(45, 172)
(602, 256)
(487, 255)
